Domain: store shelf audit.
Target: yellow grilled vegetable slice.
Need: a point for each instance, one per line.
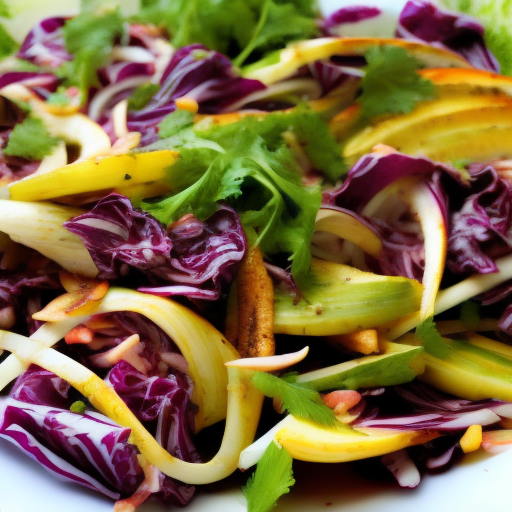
(97, 174)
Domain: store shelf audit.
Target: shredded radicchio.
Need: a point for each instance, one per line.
(197, 73)
(192, 258)
(350, 14)
(423, 21)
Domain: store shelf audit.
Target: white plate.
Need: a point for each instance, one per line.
(481, 482)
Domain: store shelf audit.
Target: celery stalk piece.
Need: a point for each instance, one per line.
(397, 365)
(337, 299)
(39, 226)
(476, 368)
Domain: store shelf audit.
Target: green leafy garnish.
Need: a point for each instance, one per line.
(249, 165)
(233, 27)
(8, 45)
(391, 84)
(432, 341)
(271, 480)
(140, 97)
(298, 399)
(175, 123)
(89, 37)
(77, 407)
(58, 98)
(31, 140)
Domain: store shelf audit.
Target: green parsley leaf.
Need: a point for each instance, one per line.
(432, 341)
(233, 26)
(298, 399)
(8, 45)
(77, 407)
(174, 123)
(89, 37)
(248, 164)
(271, 480)
(391, 84)
(140, 97)
(31, 140)
(59, 98)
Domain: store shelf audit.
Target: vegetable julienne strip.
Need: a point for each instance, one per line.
(243, 402)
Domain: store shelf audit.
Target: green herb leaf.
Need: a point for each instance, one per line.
(248, 164)
(432, 341)
(58, 98)
(140, 97)
(271, 480)
(31, 140)
(175, 123)
(89, 37)
(391, 84)
(298, 399)
(8, 45)
(233, 26)
(77, 407)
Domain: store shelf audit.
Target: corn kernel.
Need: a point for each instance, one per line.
(188, 104)
(472, 439)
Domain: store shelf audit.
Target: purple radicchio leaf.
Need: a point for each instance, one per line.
(119, 237)
(41, 84)
(482, 228)
(347, 15)
(86, 449)
(197, 73)
(463, 34)
(375, 171)
(204, 255)
(44, 45)
(193, 258)
(164, 406)
(38, 386)
(419, 407)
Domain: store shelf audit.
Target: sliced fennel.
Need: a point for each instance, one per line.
(39, 226)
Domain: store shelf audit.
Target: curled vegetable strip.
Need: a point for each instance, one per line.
(244, 403)
(48, 334)
(205, 349)
(423, 202)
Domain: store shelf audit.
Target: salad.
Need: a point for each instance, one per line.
(233, 238)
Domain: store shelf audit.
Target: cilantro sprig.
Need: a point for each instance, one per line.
(89, 37)
(391, 84)
(247, 28)
(297, 398)
(30, 139)
(432, 341)
(271, 480)
(249, 165)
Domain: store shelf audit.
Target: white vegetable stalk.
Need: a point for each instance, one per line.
(424, 204)
(39, 226)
